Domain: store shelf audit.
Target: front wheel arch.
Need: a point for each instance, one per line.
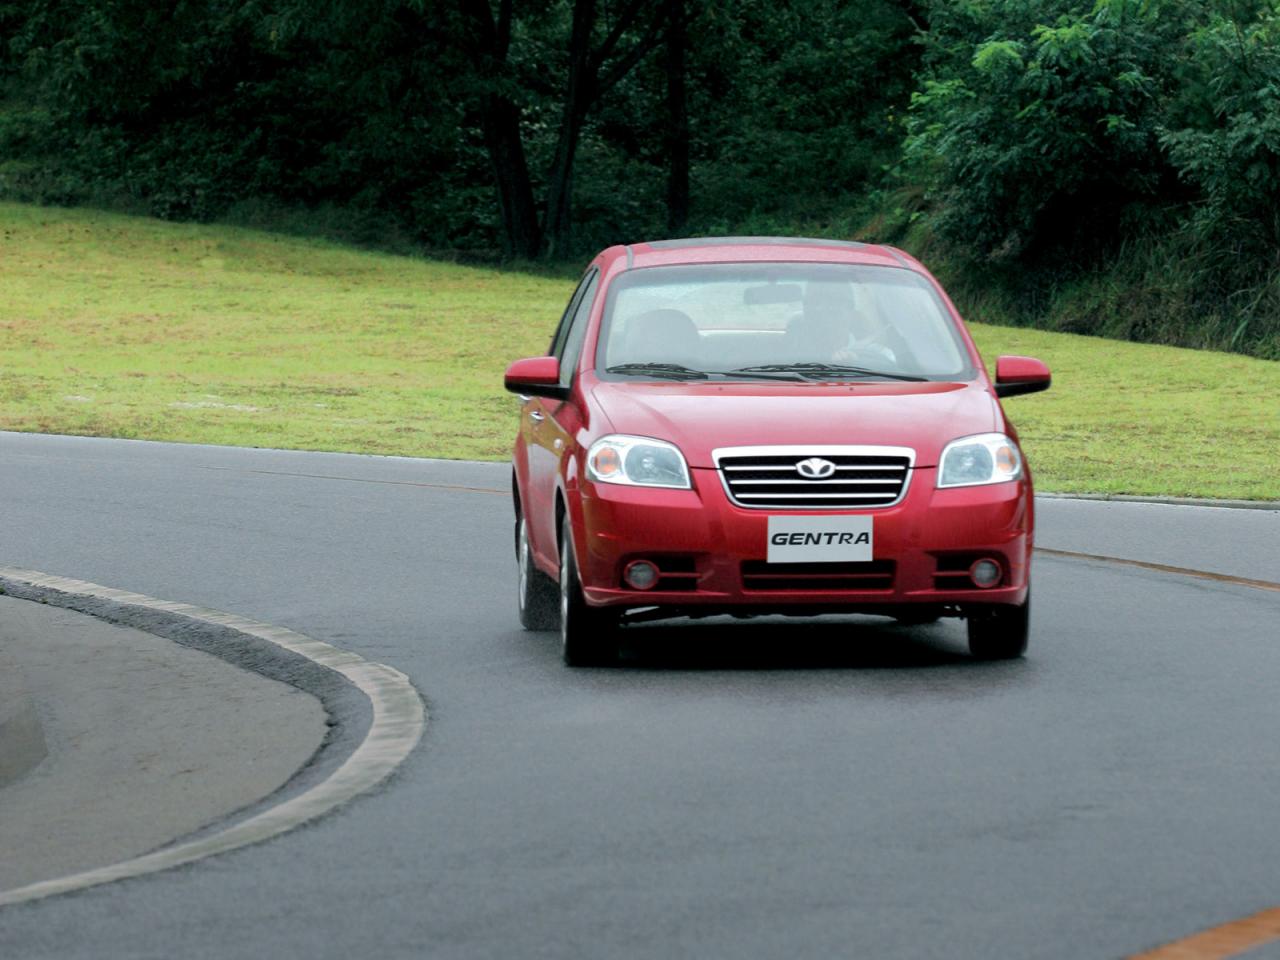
(562, 515)
(516, 505)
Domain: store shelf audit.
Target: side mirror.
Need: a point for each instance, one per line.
(536, 377)
(1018, 375)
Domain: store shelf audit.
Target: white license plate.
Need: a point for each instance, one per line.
(819, 539)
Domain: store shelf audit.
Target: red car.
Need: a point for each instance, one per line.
(755, 426)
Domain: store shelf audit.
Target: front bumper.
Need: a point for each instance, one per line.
(710, 550)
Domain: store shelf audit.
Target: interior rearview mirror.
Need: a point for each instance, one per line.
(773, 293)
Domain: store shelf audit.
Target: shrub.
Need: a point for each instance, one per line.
(1038, 121)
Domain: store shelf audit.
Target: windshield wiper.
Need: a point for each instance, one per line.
(839, 369)
(745, 374)
(680, 372)
(675, 371)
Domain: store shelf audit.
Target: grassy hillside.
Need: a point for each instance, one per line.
(125, 327)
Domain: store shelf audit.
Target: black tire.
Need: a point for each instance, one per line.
(536, 593)
(1001, 632)
(588, 635)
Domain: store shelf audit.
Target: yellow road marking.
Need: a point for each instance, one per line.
(1228, 940)
(1165, 568)
(392, 483)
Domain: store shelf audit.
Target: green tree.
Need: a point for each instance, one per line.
(796, 106)
(1224, 134)
(597, 53)
(1038, 121)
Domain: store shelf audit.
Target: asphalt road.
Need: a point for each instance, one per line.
(841, 788)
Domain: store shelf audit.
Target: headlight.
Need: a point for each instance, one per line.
(638, 462)
(986, 458)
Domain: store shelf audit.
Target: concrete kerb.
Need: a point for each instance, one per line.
(377, 716)
(22, 744)
(1169, 501)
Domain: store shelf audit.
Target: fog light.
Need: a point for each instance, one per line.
(985, 573)
(640, 574)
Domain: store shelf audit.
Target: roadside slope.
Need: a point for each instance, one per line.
(212, 334)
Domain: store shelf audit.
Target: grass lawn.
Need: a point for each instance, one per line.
(126, 327)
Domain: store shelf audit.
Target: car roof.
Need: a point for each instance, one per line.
(653, 253)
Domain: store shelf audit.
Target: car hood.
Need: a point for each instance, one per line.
(701, 417)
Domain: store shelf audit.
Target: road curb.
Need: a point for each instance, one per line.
(398, 715)
(22, 744)
(1273, 505)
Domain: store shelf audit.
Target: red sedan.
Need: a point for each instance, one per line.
(755, 426)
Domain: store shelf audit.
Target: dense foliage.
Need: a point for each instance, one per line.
(1108, 166)
(1037, 125)
(1136, 140)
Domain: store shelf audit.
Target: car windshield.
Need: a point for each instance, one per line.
(788, 321)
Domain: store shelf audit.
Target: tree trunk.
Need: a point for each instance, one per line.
(521, 237)
(558, 236)
(558, 232)
(488, 44)
(677, 124)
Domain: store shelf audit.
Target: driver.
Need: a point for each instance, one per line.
(831, 329)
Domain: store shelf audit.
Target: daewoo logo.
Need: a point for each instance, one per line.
(815, 468)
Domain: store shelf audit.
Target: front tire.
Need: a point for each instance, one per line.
(1001, 632)
(536, 593)
(588, 635)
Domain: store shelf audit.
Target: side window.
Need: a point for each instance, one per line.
(562, 331)
(577, 331)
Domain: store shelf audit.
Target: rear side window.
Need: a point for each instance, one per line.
(577, 329)
(562, 331)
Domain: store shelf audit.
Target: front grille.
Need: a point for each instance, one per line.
(824, 577)
(768, 477)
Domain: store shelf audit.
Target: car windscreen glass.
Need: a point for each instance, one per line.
(817, 320)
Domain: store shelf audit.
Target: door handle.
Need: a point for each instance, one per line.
(537, 416)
